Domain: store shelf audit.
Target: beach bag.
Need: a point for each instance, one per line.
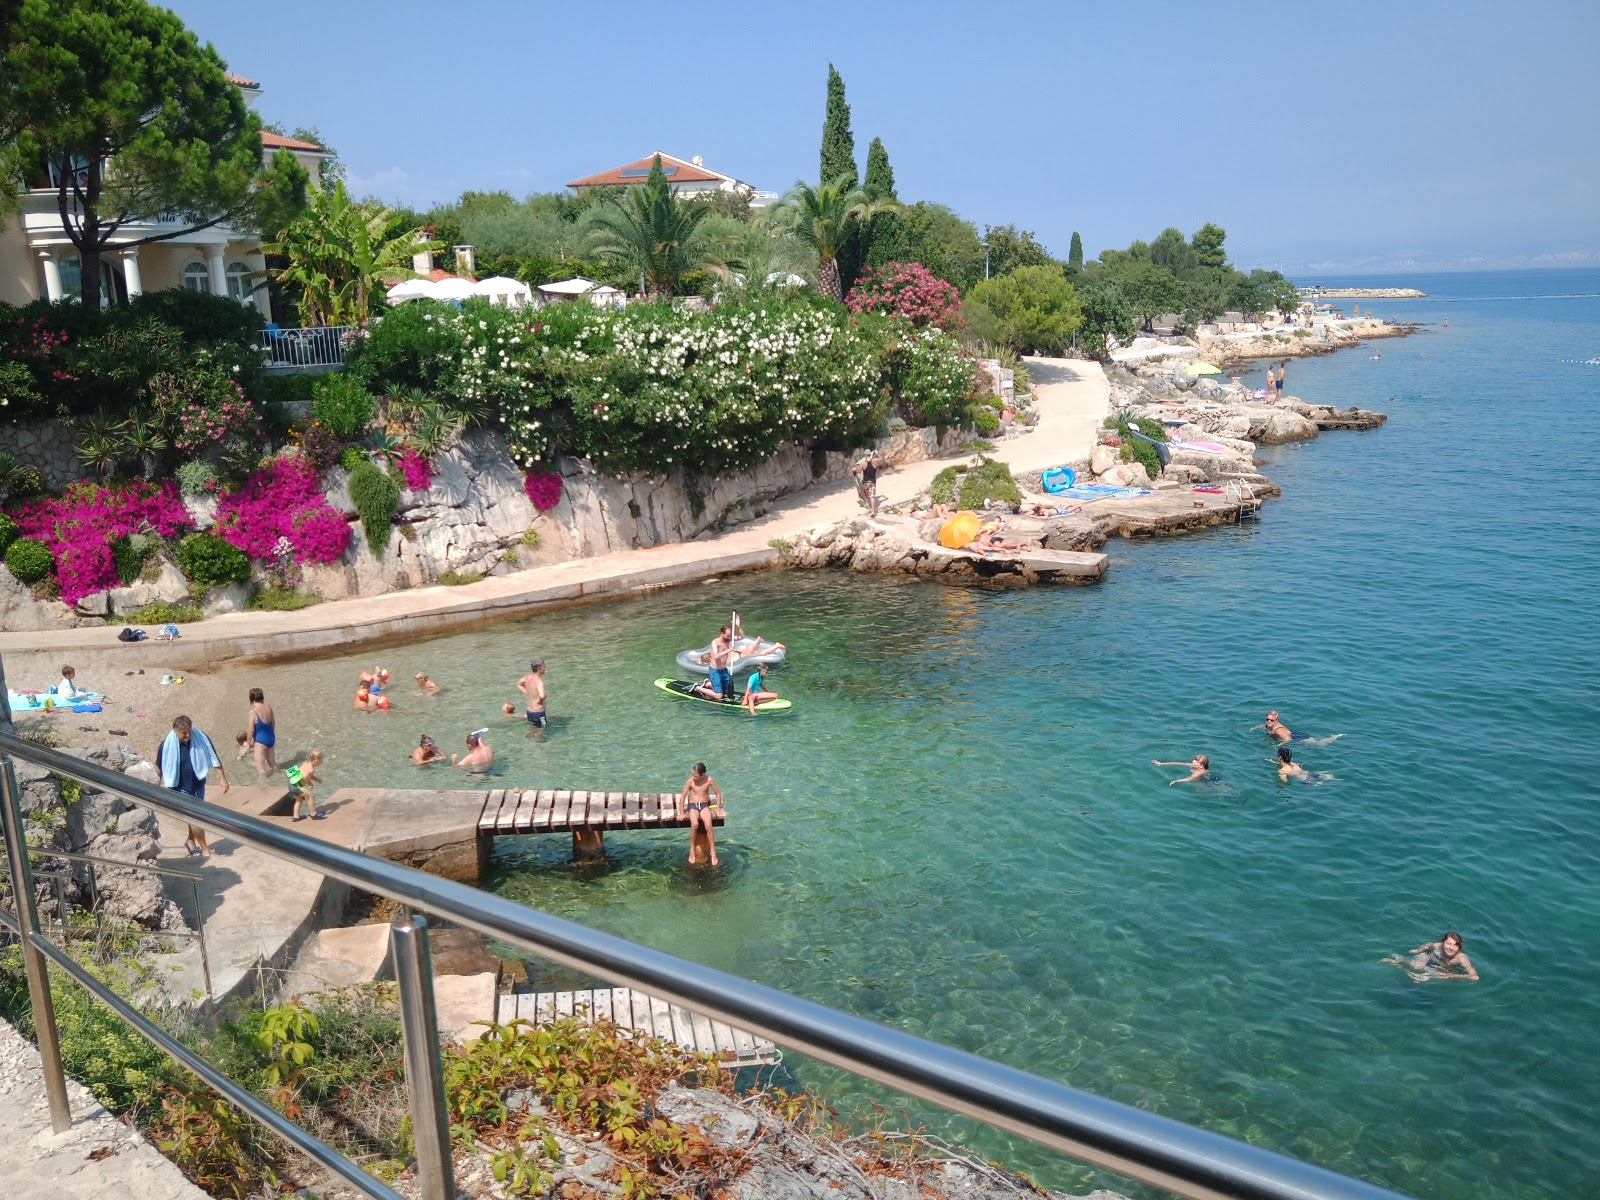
(131, 635)
(167, 633)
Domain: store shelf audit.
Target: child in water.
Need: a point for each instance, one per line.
(1199, 769)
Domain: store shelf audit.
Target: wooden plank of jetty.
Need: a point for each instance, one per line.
(541, 812)
(514, 811)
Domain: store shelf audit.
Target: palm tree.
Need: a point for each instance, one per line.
(341, 254)
(654, 234)
(824, 217)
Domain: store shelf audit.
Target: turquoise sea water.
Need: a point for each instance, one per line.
(959, 832)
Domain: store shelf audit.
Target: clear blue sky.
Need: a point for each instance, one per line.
(1321, 136)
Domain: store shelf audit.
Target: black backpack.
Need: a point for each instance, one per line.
(131, 635)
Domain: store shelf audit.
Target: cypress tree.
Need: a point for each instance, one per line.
(838, 143)
(880, 175)
(1075, 255)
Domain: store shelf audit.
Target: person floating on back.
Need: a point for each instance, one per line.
(1279, 732)
(1199, 769)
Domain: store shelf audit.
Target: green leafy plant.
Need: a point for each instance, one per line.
(1134, 450)
(458, 578)
(377, 499)
(988, 480)
(211, 562)
(197, 478)
(781, 545)
(277, 599)
(29, 560)
(343, 405)
(201, 1133)
(352, 457)
(128, 554)
(984, 419)
(530, 538)
(160, 612)
(8, 533)
(943, 488)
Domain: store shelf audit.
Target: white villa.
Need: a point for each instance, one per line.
(38, 260)
(685, 176)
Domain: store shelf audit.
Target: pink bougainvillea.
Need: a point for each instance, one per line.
(417, 469)
(911, 291)
(543, 487)
(80, 524)
(283, 500)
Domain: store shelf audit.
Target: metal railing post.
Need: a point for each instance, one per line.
(430, 1120)
(44, 1009)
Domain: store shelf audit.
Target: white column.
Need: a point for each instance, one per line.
(219, 280)
(263, 302)
(52, 276)
(130, 273)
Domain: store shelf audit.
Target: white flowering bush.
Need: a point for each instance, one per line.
(658, 389)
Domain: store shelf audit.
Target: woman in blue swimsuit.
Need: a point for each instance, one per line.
(263, 734)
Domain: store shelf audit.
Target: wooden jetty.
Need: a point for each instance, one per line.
(645, 1014)
(509, 810)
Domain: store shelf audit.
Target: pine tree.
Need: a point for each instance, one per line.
(838, 143)
(1075, 255)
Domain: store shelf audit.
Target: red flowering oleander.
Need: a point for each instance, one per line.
(911, 291)
(543, 488)
(283, 500)
(80, 524)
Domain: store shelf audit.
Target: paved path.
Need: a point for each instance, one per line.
(99, 1158)
(1072, 399)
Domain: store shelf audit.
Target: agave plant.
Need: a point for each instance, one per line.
(100, 452)
(142, 438)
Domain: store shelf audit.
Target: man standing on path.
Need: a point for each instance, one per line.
(866, 473)
(702, 798)
(186, 759)
(532, 687)
(722, 656)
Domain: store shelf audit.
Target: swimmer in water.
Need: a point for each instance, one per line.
(1290, 771)
(478, 756)
(425, 685)
(426, 752)
(1436, 960)
(1199, 769)
(1279, 732)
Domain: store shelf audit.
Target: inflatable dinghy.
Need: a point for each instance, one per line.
(751, 653)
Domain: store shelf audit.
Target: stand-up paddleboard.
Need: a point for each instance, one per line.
(685, 689)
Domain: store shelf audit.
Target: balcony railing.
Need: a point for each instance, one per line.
(1169, 1154)
(315, 346)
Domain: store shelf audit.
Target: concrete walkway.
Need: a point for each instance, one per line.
(1072, 399)
(99, 1158)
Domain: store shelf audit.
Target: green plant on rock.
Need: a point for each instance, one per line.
(277, 599)
(943, 488)
(210, 562)
(988, 480)
(17, 480)
(128, 554)
(143, 439)
(530, 538)
(1134, 450)
(377, 499)
(197, 478)
(343, 405)
(8, 533)
(460, 578)
(159, 612)
(352, 457)
(984, 419)
(29, 560)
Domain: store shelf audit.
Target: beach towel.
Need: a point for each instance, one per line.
(1102, 491)
(202, 756)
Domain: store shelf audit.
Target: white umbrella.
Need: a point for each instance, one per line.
(785, 279)
(409, 289)
(502, 285)
(453, 288)
(568, 287)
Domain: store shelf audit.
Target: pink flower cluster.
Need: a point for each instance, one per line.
(543, 488)
(80, 524)
(911, 291)
(417, 469)
(199, 425)
(283, 500)
(40, 338)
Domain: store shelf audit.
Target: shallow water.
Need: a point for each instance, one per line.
(959, 832)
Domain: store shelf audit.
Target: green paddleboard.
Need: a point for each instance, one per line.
(679, 687)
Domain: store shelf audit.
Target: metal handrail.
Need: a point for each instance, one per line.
(1153, 1149)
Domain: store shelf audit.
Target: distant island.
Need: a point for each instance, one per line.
(1363, 293)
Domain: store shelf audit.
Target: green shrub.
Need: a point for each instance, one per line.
(212, 562)
(352, 457)
(128, 554)
(989, 480)
(282, 389)
(343, 405)
(458, 578)
(943, 488)
(19, 394)
(159, 612)
(8, 533)
(1133, 450)
(276, 599)
(377, 498)
(984, 419)
(29, 560)
(196, 478)
(530, 538)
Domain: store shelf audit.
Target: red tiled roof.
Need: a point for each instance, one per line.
(276, 141)
(678, 171)
(241, 81)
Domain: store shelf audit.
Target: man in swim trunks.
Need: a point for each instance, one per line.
(702, 798)
(478, 756)
(722, 656)
(531, 685)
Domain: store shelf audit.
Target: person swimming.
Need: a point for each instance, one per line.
(1279, 732)
(1290, 771)
(1443, 959)
(1199, 769)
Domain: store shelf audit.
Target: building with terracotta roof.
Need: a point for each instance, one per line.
(38, 260)
(686, 177)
